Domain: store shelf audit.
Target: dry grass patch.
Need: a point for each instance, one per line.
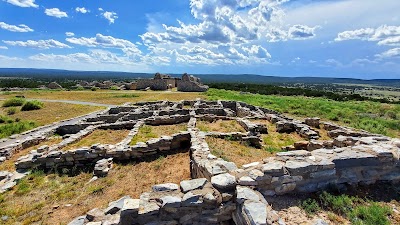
(274, 141)
(224, 126)
(52, 112)
(147, 132)
(9, 164)
(42, 199)
(322, 133)
(109, 96)
(100, 136)
(234, 151)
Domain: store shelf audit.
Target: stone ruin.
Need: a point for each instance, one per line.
(54, 85)
(188, 83)
(219, 192)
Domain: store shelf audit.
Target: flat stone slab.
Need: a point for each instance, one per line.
(165, 187)
(256, 212)
(189, 185)
(224, 181)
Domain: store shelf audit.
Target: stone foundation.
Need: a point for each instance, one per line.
(219, 192)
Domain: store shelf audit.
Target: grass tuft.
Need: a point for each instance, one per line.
(13, 102)
(357, 210)
(32, 105)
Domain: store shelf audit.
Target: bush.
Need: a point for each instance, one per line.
(114, 88)
(5, 119)
(310, 206)
(11, 111)
(13, 102)
(373, 214)
(94, 88)
(341, 204)
(32, 105)
(9, 129)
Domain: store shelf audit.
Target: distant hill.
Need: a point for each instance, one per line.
(208, 78)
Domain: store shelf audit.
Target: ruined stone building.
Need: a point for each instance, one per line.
(188, 83)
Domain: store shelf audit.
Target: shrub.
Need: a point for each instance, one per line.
(80, 88)
(114, 88)
(340, 204)
(373, 214)
(9, 129)
(32, 105)
(13, 102)
(94, 88)
(11, 111)
(310, 206)
(5, 119)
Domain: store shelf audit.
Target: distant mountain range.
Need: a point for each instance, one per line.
(207, 78)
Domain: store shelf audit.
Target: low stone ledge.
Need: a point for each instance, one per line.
(201, 204)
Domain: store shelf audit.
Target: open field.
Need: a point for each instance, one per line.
(52, 112)
(147, 132)
(106, 96)
(57, 199)
(371, 116)
(110, 137)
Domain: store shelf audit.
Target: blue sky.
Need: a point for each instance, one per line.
(335, 38)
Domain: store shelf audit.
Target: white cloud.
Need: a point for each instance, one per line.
(3, 47)
(257, 51)
(23, 3)
(110, 16)
(7, 58)
(82, 10)
(361, 34)
(384, 35)
(389, 54)
(101, 9)
(100, 40)
(228, 32)
(94, 56)
(301, 32)
(69, 34)
(15, 28)
(55, 12)
(223, 22)
(41, 44)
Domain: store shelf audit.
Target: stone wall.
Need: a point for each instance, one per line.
(154, 84)
(188, 86)
(220, 192)
(88, 156)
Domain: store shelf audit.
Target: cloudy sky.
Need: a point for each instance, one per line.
(336, 38)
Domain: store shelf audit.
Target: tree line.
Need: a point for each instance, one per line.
(266, 89)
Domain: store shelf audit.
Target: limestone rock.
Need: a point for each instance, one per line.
(165, 187)
(189, 185)
(224, 181)
(102, 167)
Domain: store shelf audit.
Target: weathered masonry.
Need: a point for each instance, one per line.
(219, 192)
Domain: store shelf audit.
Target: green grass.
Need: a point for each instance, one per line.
(13, 102)
(32, 105)
(358, 211)
(311, 206)
(366, 115)
(8, 129)
(145, 133)
(372, 214)
(127, 96)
